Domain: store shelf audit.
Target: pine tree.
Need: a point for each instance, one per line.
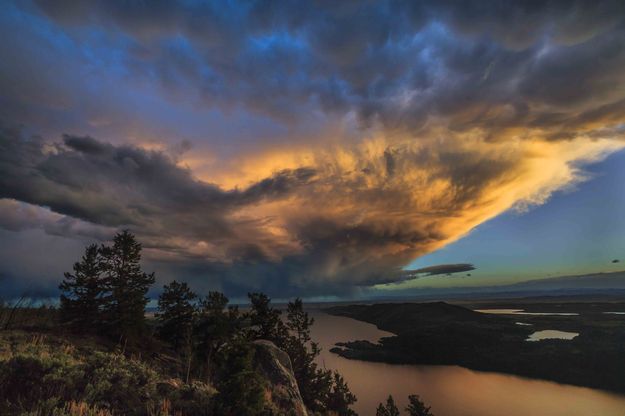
(127, 285)
(315, 384)
(416, 407)
(82, 291)
(390, 409)
(340, 397)
(266, 320)
(298, 321)
(241, 388)
(176, 312)
(215, 327)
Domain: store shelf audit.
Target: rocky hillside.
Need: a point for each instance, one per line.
(47, 374)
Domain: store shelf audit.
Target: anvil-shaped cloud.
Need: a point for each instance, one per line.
(348, 217)
(386, 130)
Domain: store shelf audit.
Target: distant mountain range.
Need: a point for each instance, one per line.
(613, 280)
(612, 283)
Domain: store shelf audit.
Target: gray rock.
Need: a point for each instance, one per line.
(275, 365)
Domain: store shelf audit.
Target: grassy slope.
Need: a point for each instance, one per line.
(45, 373)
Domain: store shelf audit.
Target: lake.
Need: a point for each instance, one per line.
(451, 390)
(551, 334)
(522, 312)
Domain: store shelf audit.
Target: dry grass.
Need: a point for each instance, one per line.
(84, 409)
(23, 313)
(107, 379)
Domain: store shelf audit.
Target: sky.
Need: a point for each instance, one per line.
(313, 148)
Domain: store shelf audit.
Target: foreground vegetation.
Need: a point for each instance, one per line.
(98, 354)
(43, 374)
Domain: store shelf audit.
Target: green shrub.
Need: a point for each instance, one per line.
(195, 398)
(121, 385)
(28, 379)
(42, 379)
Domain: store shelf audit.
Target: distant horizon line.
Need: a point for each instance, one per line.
(422, 293)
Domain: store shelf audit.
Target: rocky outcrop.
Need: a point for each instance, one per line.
(283, 392)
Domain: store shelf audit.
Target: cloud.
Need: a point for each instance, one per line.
(129, 187)
(341, 221)
(445, 269)
(401, 64)
(290, 147)
(21, 216)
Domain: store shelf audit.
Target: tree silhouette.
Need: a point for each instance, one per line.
(215, 327)
(416, 407)
(265, 320)
(82, 291)
(240, 386)
(340, 397)
(315, 384)
(298, 321)
(127, 286)
(390, 409)
(175, 315)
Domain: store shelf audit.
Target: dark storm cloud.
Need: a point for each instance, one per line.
(394, 62)
(123, 185)
(20, 216)
(93, 188)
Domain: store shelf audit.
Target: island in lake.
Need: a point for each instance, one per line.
(448, 334)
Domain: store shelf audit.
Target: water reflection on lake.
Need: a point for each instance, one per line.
(451, 390)
(551, 334)
(522, 312)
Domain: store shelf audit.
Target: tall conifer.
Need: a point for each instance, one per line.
(82, 292)
(127, 286)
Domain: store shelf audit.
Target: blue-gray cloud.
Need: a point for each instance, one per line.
(395, 62)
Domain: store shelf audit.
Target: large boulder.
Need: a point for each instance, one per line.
(275, 365)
